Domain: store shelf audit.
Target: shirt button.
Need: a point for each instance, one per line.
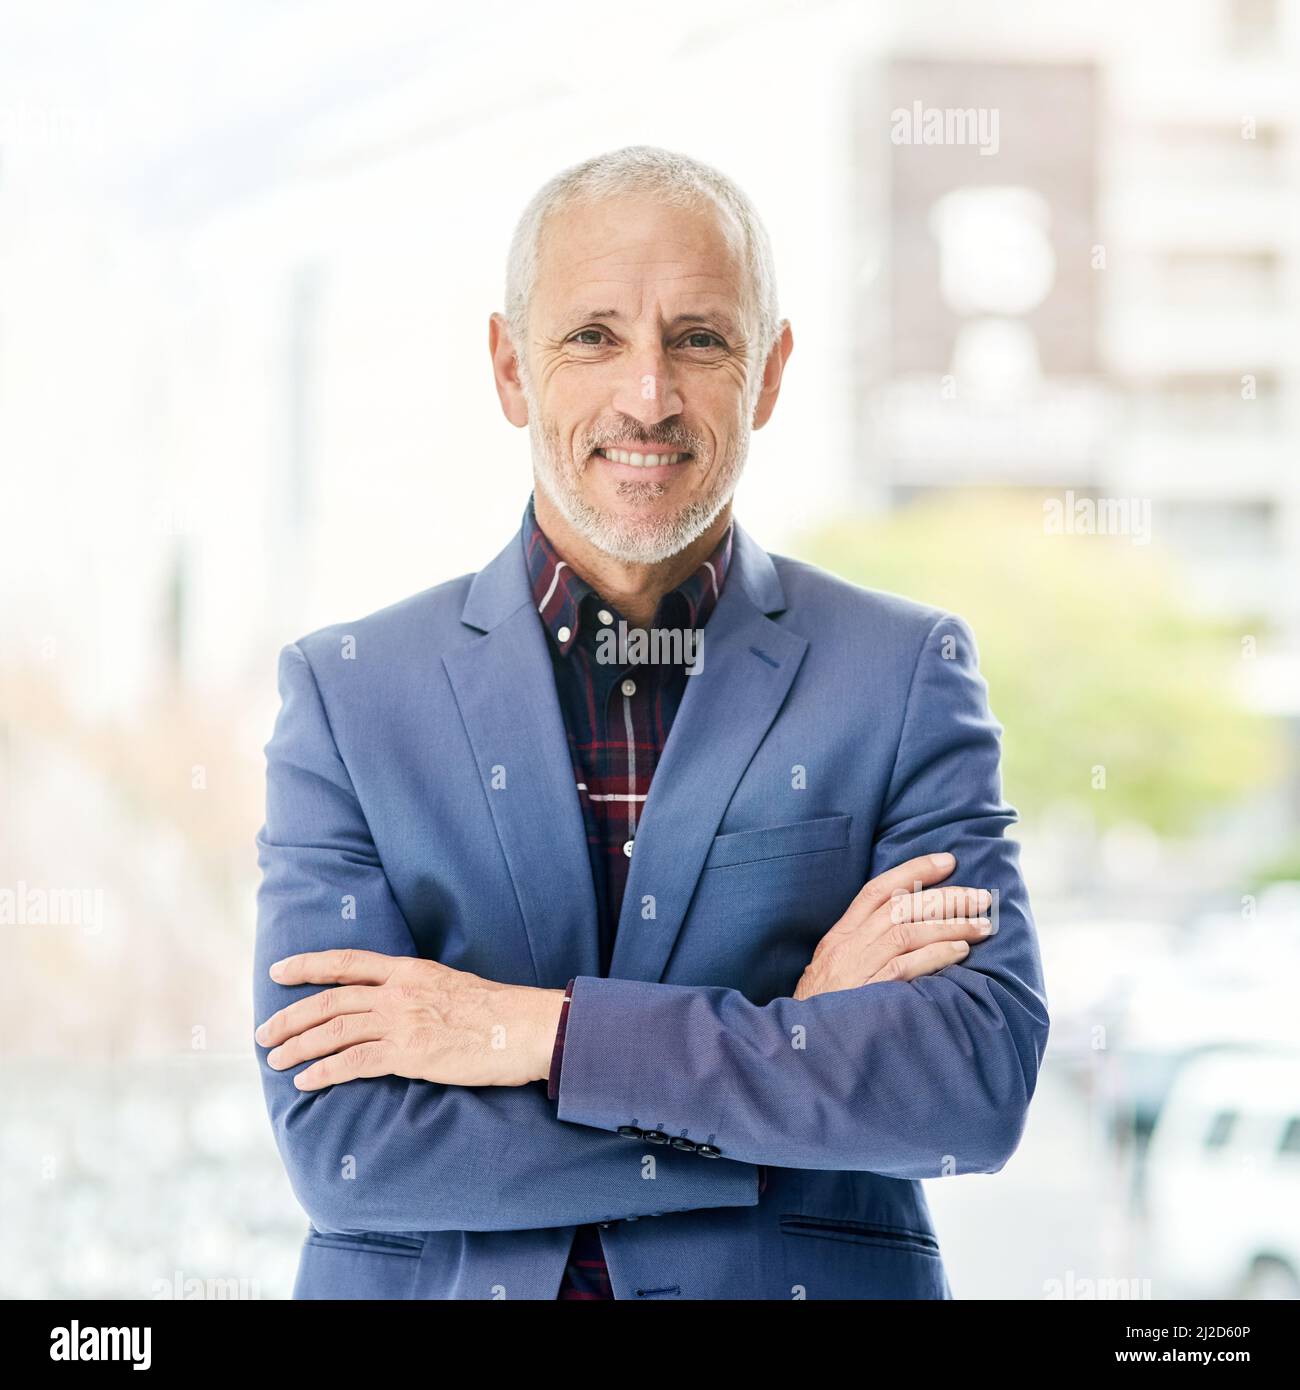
(629, 687)
(563, 634)
(627, 848)
(605, 616)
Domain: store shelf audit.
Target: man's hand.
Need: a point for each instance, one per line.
(896, 929)
(403, 1016)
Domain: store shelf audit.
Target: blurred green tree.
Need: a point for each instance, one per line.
(1091, 655)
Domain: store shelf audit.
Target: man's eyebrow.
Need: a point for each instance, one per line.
(718, 318)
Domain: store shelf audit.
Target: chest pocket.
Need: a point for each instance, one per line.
(779, 841)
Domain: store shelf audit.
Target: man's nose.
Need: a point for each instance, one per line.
(647, 390)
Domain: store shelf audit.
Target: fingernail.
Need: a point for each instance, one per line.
(960, 948)
(942, 861)
(277, 970)
(260, 1035)
(985, 928)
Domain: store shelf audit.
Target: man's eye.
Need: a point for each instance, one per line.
(713, 340)
(595, 332)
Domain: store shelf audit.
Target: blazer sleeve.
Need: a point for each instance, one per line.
(909, 1080)
(390, 1153)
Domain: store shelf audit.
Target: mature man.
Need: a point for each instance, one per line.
(585, 975)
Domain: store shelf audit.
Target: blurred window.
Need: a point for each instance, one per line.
(1221, 1128)
(1290, 1137)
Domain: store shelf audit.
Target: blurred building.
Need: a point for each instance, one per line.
(1089, 285)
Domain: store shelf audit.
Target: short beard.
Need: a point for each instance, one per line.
(631, 541)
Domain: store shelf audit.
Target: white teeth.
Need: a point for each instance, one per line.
(641, 460)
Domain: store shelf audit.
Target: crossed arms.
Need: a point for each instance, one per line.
(897, 1054)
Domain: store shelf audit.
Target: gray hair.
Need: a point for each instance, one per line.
(675, 179)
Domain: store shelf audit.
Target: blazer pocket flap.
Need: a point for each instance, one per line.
(377, 1242)
(779, 841)
(868, 1232)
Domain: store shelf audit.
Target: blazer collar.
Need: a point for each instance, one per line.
(503, 585)
(565, 601)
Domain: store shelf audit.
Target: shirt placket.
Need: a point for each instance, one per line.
(630, 689)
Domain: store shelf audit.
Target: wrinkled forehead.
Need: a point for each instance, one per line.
(619, 252)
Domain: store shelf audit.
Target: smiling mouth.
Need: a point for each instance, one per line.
(642, 458)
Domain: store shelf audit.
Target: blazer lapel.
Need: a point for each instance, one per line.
(726, 711)
(505, 689)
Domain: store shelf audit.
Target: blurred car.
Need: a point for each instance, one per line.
(1223, 1177)
(1132, 1001)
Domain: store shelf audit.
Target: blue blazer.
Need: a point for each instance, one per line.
(421, 802)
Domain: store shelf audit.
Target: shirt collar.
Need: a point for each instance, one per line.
(559, 591)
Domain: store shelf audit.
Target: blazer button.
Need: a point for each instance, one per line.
(630, 1131)
(687, 1145)
(708, 1151)
(654, 1136)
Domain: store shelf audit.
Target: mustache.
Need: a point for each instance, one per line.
(675, 440)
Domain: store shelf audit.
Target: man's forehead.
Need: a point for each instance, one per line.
(610, 256)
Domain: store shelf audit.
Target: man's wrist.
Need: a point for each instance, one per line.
(543, 1010)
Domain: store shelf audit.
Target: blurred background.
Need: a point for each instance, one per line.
(1043, 269)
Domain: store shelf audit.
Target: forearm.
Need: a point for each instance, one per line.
(907, 1080)
(388, 1154)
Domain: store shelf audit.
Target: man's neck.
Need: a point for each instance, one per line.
(635, 590)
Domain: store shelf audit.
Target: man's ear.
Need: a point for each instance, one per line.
(772, 370)
(505, 369)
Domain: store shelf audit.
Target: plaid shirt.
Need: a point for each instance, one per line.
(618, 718)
